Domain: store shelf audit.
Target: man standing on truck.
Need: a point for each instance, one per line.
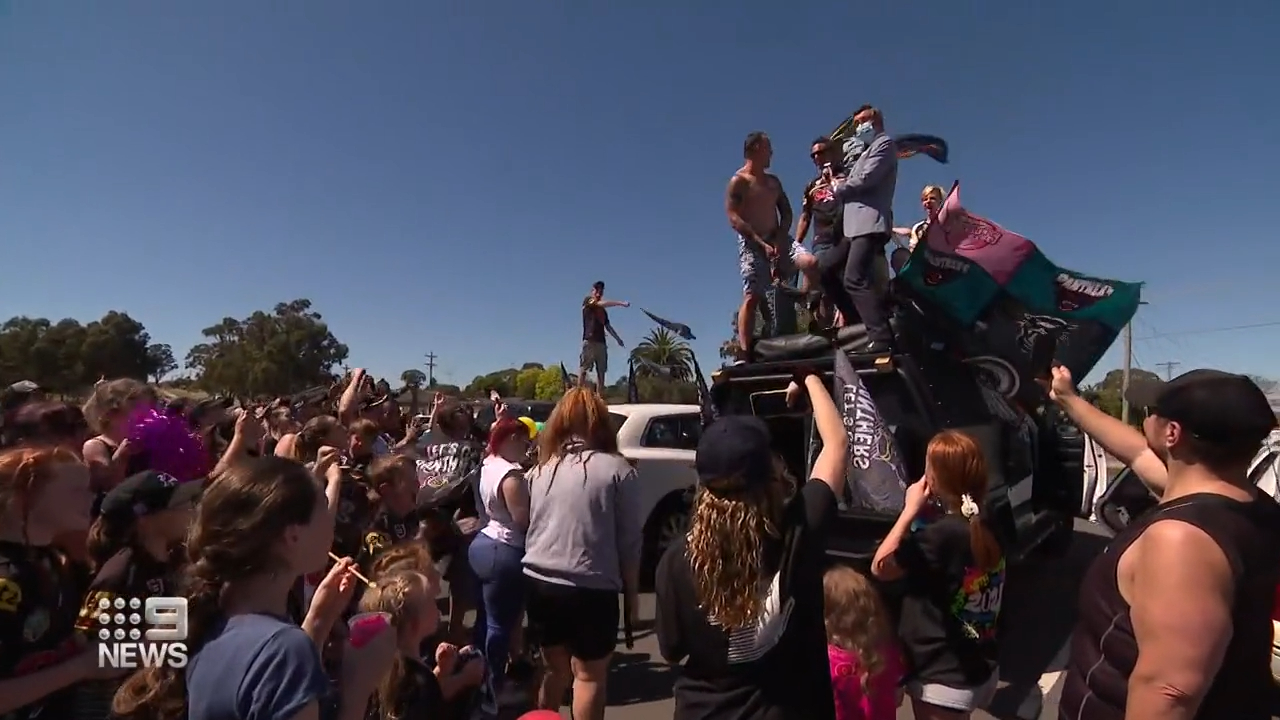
(595, 323)
(760, 213)
(867, 193)
(1174, 619)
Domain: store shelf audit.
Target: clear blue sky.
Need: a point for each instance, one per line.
(454, 180)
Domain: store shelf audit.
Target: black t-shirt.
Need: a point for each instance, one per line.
(419, 694)
(386, 530)
(777, 672)
(826, 213)
(594, 320)
(951, 606)
(354, 513)
(127, 575)
(38, 606)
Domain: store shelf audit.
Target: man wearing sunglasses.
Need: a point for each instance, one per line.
(822, 211)
(1175, 617)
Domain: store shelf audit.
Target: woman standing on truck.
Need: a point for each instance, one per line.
(740, 598)
(954, 570)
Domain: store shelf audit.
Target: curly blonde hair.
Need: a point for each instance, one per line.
(725, 548)
(393, 593)
(855, 618)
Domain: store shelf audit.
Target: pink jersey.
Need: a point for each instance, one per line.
(880, 702)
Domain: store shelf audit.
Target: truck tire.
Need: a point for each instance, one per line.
(668, 521)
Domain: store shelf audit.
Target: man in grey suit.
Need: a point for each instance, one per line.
(867, 193)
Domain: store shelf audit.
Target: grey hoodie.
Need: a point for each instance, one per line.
(582, 526)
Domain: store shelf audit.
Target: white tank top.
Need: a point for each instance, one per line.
(492, 505)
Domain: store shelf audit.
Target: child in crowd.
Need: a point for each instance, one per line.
(393, 481)
(131, 550)
(866, 664)
(412, 689)
(44, 493)
(954, 571)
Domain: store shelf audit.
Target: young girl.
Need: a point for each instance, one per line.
(866, 665)
(131, 552)
(394, 481)
(109, 455)
(259, 527)
(954, 570)
(411, 689)
(44, 493)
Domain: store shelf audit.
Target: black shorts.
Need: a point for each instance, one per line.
(584, 622)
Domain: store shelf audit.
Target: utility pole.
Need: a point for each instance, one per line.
(1128, 366)
(431, 369)
(1168, 368)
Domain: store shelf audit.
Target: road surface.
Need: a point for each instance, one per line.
(1039, 609)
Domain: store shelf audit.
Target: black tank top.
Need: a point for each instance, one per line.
(1103, 648)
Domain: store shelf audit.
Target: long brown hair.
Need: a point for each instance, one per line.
(725, 548)
(23, 470)
(108, 535)
(583, 415)
(958, 468)
(856, 619)
(238, 522)
(313, 436)
(391, 595)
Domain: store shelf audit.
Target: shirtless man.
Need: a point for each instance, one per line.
(760, 213)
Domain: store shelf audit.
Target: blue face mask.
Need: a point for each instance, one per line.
(864, 132)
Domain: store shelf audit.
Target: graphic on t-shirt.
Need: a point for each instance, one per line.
(977, 602)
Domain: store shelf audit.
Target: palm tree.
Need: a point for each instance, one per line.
(664, 349)
(414, 380)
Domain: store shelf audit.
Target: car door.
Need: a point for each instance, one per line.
(1127, 498)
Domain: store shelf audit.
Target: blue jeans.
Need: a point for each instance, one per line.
(497, 567)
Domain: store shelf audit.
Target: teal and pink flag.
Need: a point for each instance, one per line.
(1013, 302)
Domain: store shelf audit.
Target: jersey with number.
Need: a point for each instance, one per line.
(952, 605)
(38, 604)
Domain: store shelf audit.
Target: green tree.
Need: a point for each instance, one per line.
(413, 379)
(550, 385)
(161, 361)
(665, 349)
(526, 382)
(282, 352)
(66, 357)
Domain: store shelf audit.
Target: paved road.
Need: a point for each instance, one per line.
(1039, 609)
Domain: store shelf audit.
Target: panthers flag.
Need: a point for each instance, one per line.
(876, 479)
(684, 331)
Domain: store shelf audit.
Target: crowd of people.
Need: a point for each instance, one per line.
(314, 545)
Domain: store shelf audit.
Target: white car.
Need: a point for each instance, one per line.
(660, 441)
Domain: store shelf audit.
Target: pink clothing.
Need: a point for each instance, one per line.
(880, 702)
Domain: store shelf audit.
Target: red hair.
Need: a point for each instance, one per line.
(24, 469)
(504, 430)
(957, 468)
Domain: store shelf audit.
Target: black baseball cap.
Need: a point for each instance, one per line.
(149, 492)
(735, 455)
(1214, 406)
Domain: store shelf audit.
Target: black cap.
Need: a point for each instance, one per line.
(735, 455)
(149, 492)
(1214, 406)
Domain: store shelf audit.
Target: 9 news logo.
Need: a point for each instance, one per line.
(155, 638)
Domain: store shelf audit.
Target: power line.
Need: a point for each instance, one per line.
(1206, 331)
(431, 369)
(1168, 368)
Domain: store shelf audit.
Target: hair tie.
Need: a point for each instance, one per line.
(968, 508)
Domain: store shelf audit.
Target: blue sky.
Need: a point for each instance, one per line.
(451, 177)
